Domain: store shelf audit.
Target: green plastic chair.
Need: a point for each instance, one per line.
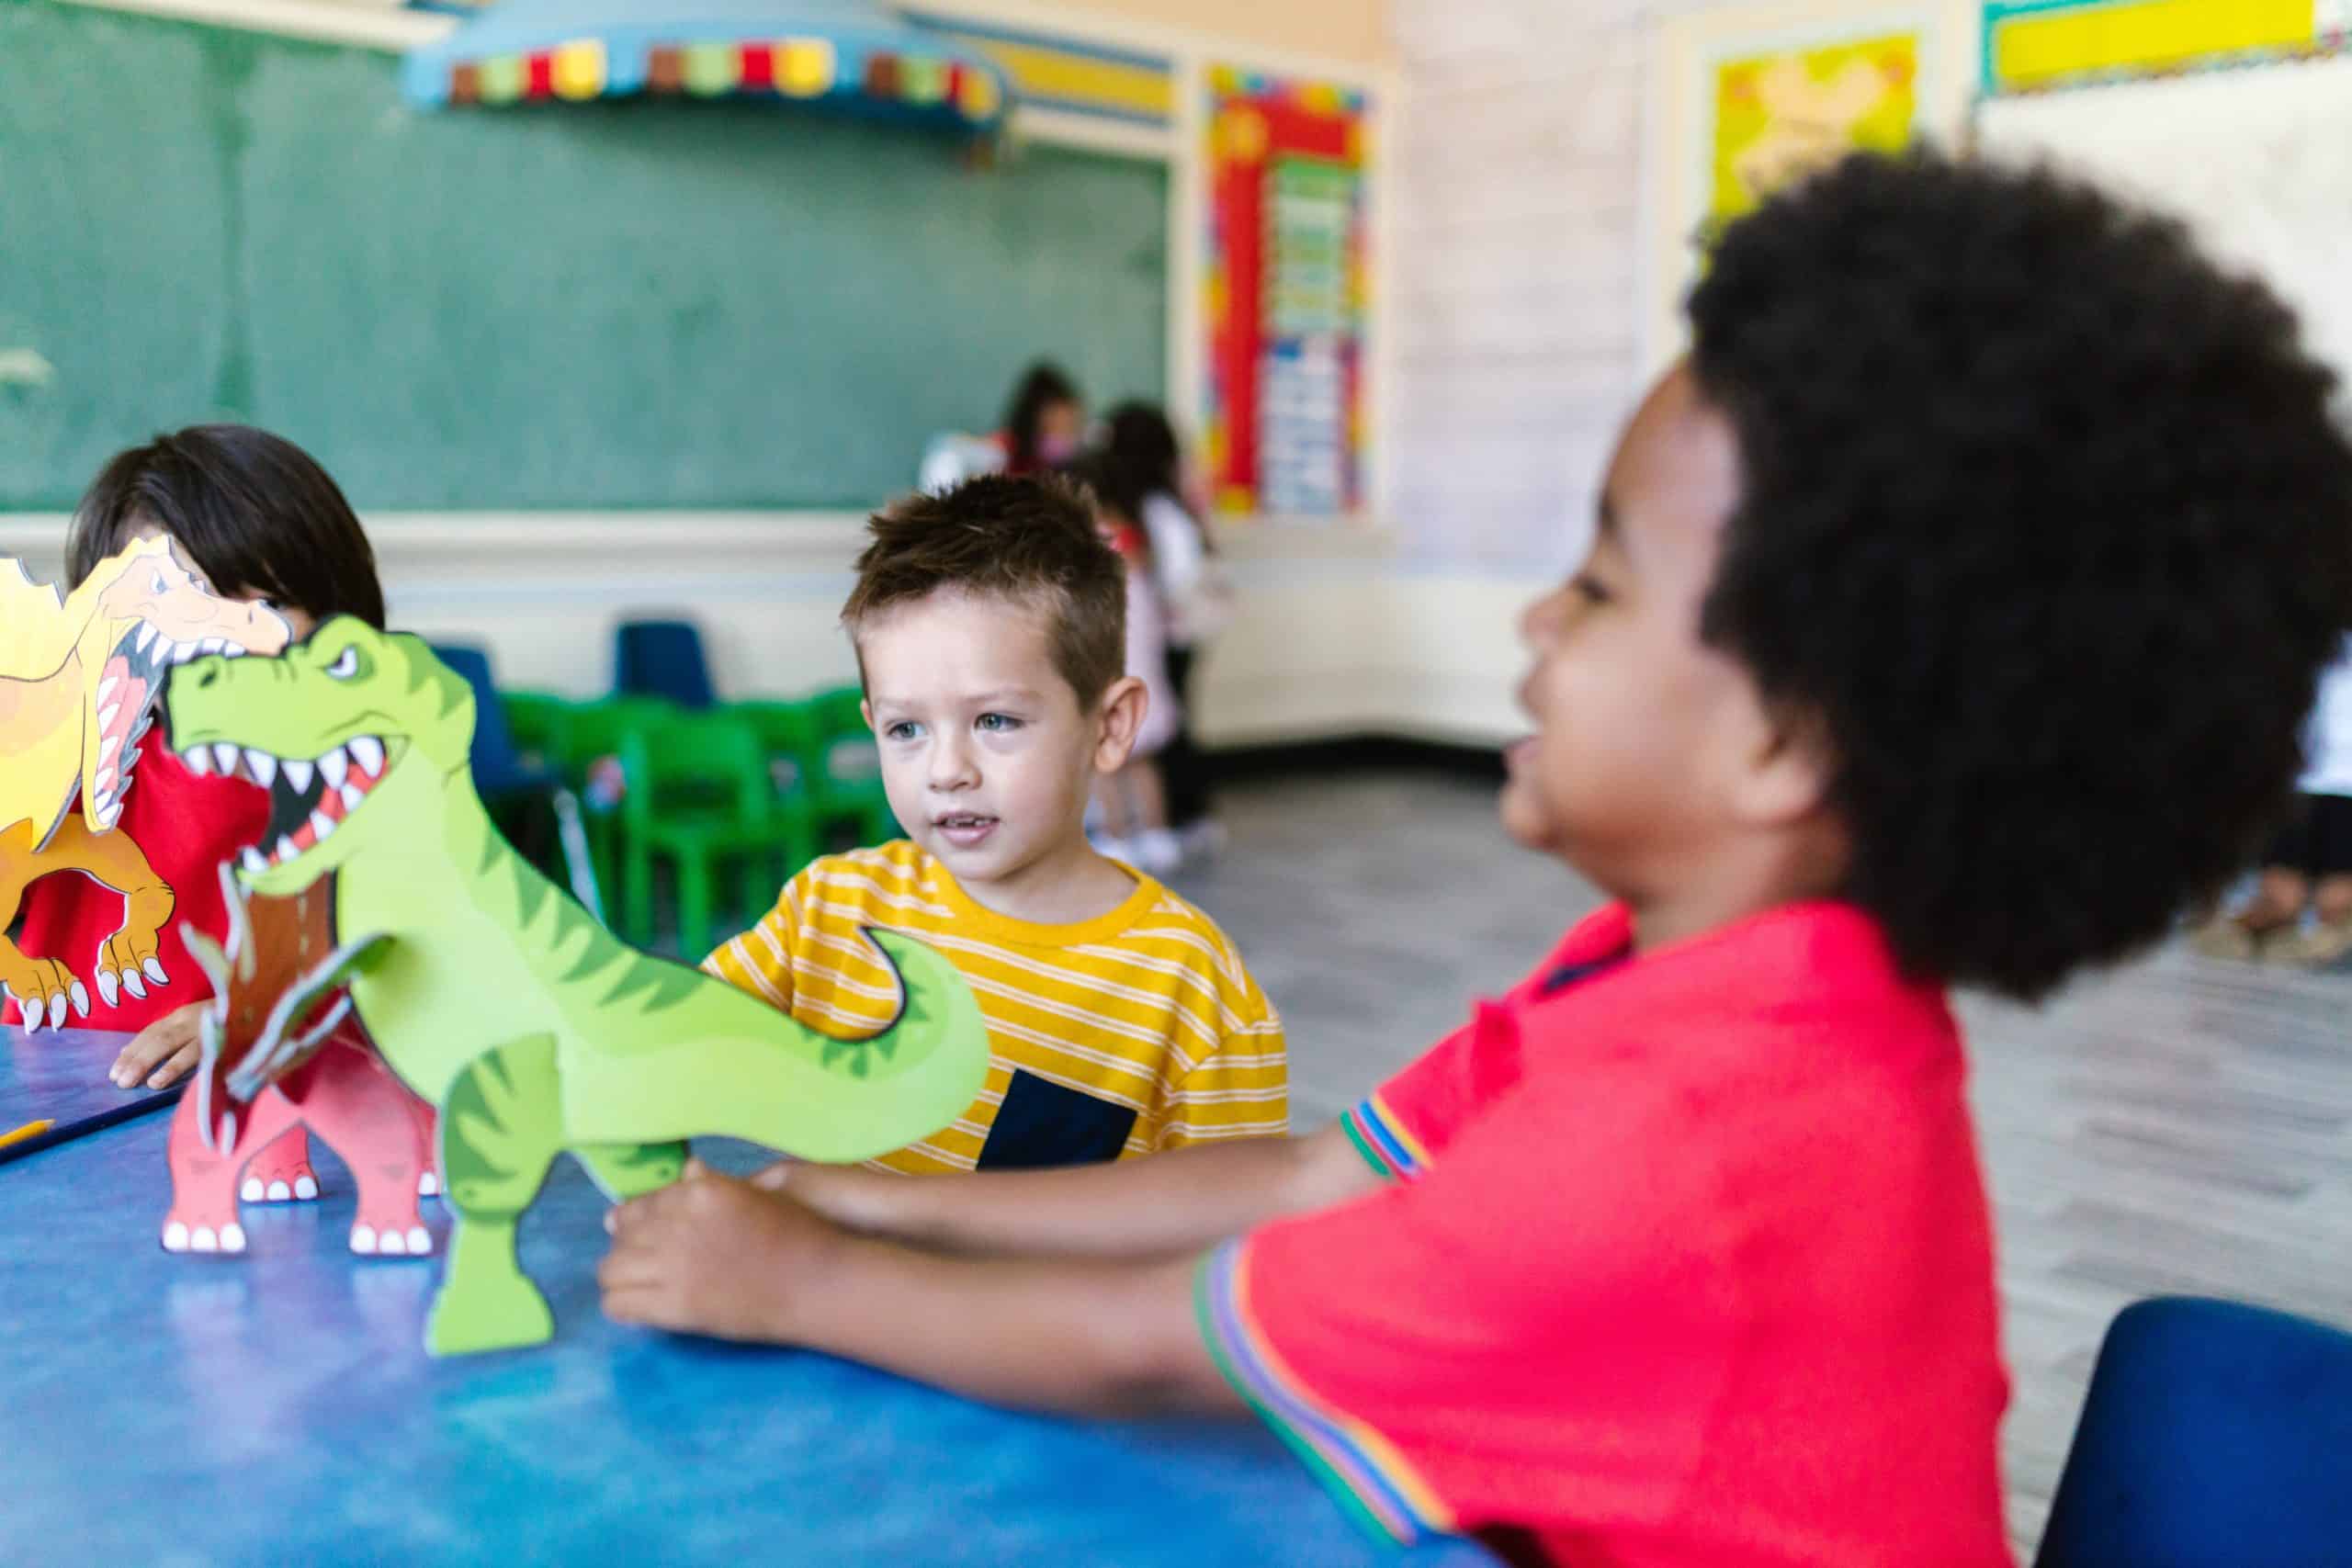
(535, 720)
(699, 795)
(589, 735)
(791, 734)
(847, 766)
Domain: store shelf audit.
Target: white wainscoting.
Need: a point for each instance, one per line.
(1331, 636)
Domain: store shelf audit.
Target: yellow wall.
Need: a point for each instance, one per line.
(1356, 31)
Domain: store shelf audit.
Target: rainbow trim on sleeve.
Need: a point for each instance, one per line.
(1382, 1138)
(1375, 1484)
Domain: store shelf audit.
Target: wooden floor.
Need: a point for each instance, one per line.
(2181, 1126)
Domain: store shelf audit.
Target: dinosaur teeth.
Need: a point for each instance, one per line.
(212, 645)
(333, 767)
(197, 759)
(107, 716)
(184, 651)
(351, 795)
(286, 849)
(297, 773)
(262, 765)
(232, 652)
(107, 686)
(254, 861)
(321, 826)
(146, 635)
(369, 752)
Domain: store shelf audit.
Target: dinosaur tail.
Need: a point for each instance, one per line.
(768, 1078)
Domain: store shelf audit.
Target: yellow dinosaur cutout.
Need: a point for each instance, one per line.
(80, 679)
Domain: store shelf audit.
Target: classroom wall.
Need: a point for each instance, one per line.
(1403, 626)
(1518, 184)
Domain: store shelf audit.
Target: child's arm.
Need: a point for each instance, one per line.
(710, 1255)
(1178, 1201)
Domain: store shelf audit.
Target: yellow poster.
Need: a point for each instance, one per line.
(1778, 117)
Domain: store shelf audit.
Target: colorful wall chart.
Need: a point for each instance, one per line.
(2035, 45)
(1288, 290)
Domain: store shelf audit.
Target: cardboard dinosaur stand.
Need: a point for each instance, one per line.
(486, 991)
(80, 676)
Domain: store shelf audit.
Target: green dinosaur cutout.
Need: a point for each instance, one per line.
(499, 1000)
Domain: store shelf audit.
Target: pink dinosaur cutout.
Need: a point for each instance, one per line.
(276, 973)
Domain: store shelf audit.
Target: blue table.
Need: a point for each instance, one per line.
(279, 1407)
(60, 1076)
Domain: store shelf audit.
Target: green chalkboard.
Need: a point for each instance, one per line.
(624, 305)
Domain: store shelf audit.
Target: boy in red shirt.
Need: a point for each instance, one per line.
(1951, 619)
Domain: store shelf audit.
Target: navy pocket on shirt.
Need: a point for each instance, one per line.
(1043, 1123)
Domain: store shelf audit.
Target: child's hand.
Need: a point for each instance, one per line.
(164, 1052)
(711, 1254)
(853, 1199)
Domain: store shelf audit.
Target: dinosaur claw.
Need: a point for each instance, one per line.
(280, 1192)
(176, 1237)
(428, 1184)
(134, 985)
(363, 1239)
(420, 1241)
(109, 988)
(252, 1192)
(305, 1189)
(81, 1000)
(57, 1006)
(203, 1240)
(233, 1237)
(155, 973)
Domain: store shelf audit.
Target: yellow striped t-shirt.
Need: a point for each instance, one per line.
(1131, 1033)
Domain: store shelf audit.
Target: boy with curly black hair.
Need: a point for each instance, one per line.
(1952, 617)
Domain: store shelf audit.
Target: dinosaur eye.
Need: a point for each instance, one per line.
(345, 665)
(162, 587)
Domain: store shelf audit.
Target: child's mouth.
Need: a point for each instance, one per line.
(964, 830)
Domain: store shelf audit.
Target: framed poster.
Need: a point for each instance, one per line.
(1286, 295)
(1748, 98)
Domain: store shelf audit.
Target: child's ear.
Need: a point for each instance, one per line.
(1124, 706)
(1789, 766)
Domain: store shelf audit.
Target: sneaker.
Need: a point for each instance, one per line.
(2323, 945)
(2226, 936)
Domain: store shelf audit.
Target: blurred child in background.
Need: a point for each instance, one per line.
(1146, 469)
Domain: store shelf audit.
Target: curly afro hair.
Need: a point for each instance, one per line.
(2045, 523)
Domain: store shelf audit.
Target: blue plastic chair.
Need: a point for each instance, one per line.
(2215, 1434)
(501, 773)
(499, 768)
(662, 659)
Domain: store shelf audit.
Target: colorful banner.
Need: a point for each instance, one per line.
(1069, 74)
(1288, 293)
(2034, 45)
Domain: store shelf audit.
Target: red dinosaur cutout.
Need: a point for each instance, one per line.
(270, 1002)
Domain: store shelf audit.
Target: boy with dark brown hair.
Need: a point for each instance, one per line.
(991, 626)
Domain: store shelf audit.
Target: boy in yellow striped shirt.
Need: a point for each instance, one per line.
(990, 631)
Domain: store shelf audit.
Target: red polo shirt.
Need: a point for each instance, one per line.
(1685, 1261)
